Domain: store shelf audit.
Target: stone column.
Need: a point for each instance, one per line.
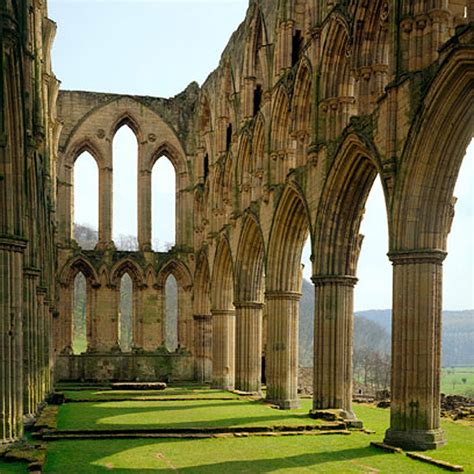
(105, 207)
(248, 346)
(40, 317)
(282, 310)
(203, 347)
(223, 351)
(30, 281)
(185, 319)
(144, 210)
(66, 296)
(45, 343)
(150, 334)
(105, 318)
(184, 203)
(333, 331)
(11, 338)
(91, 333)
(416, 350)
(64, 205)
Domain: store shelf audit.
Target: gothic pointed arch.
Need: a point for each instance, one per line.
(337, 241)
(258, 144)
(280, 120)
(249, 262)
(169, 151)
(423, 195)
(127, 265)
(302, 111)
(127, 119)
(222, 287)
(205, 124)
(201, 295)
(243, 172)
(255, 61)
(290, 230)
(336, 87)
(179, 270)
(84, 145)
(78, 264)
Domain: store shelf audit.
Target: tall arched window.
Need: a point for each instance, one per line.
(171, 308)
(374, 270)
(458, 278)
(458, 281)
(79, 321)
(125, 159)
(126, 313)
(373, 298)
(306, 327)
(86, 201)
(163, 208)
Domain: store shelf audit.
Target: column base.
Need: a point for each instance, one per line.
(285, 404)
(415, 440)
(337, 414)
(245, 393)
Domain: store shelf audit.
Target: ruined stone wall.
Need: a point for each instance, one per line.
(310, 102)
(162, 128)
(28, 135)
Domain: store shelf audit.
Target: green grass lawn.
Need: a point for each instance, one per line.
(171, 392)
(12, 468)
(460, 437)
(458, 381)
(177, 414)
(235, 455)
(339, 454)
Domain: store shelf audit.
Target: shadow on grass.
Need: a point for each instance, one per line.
(89, 461)
(100, 417)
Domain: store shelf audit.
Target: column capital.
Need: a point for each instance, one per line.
(32, 272)
(12, 243)
(283, 295)
(223, 312)
(248, 304)
(41, 290)
(344, 280)
(417, 256)
(202, 317)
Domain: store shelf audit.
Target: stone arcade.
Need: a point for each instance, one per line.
(311, 101)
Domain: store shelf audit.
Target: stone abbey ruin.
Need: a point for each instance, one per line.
(312, 99)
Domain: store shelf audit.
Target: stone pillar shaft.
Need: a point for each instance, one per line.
(31, 277)
(203, 347)
(11, 339)
(105, 318)
(333, 328)
(223, 349)
(40, 337)
(105, 205)
(149, 333)
(66, 297)
(248, 351)
(282, 348)
(416, 350)
(144, 210)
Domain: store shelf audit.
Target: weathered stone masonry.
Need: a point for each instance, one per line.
(29, 130)
(311, 101)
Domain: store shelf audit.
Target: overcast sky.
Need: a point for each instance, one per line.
(157, 48)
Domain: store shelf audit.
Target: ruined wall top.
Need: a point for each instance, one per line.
(75, 106)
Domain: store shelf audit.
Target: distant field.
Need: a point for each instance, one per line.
(457, 381)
